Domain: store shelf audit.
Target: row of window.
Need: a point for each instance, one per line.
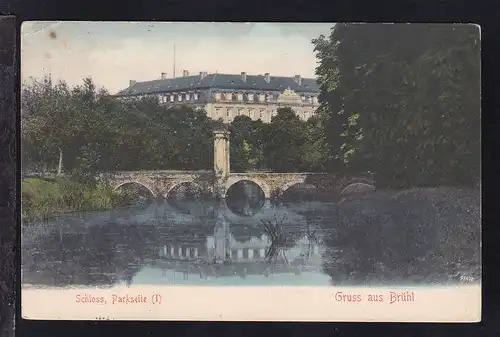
(227, 97)
(261, 97)
(178, 97)
(256, 114)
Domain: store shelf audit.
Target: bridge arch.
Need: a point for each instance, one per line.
(180, 182)
(356, 185)
(263, 186)
(291, 184)
(138, 183)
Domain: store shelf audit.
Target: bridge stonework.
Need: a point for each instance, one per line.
(161, 183)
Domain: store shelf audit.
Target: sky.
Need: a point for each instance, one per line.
(113, 53)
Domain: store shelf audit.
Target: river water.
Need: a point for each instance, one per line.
(248, 241)
(241, 241)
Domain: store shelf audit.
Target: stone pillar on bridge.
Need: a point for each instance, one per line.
(221, 160)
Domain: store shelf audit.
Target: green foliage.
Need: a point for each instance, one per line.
(287, 144)
(94, 132)
(246, 144)
(41, 199)
(402, 101)
(286, 136)
(90, 131)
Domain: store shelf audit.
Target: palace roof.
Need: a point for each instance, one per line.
(221, 82)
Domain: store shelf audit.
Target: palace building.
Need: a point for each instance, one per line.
(225, 96)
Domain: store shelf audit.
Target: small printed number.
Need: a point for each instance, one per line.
(466, 278)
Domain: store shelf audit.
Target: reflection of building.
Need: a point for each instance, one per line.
(224, 245)
(226, 96)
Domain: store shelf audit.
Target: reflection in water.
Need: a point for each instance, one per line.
(378, 238)
(200, 241)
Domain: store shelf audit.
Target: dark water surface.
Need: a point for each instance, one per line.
(180, 242)
(254, 241)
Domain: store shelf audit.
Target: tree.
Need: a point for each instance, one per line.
(402, 101)
(286, 135)
(48, 121)
(313, 150)
(241, 144)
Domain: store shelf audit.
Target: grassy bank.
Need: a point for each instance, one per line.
(42, 199)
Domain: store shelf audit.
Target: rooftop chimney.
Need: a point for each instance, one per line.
(163, 76)
(185, 73)
(297, 79)
(244, 76)
(203, 74)
(267, 77)
(132, 83)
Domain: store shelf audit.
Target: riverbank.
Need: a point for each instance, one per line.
(43, 198)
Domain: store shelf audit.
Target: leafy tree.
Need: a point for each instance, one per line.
(97, 132)
(285, 138)
(402, 101)
(48, 121)
(315, 147)
(240, 144)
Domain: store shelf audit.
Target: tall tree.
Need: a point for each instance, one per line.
(48, 120)
(402, 101)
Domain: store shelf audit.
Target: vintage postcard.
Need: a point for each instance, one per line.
(251, 171)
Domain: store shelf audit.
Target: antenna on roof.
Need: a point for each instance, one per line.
(174, 60)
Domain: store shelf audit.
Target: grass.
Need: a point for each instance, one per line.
(42, 199)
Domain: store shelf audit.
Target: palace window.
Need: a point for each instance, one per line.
(229, 96)
(250, 97)
(172, 98)
(217, 113)
(262, 97)
(227, 112)
(217, 96)
(187, 97)
(179, 98)
(315, 100)
(269, 98)
(195, 96)
(240, 112)
(309, 99)
(240, 97)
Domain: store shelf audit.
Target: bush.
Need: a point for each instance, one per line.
(41, 199)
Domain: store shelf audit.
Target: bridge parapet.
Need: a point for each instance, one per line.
(160, 183)
(274, 185)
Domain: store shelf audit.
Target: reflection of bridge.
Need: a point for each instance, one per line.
(191, 213)
(218, 182)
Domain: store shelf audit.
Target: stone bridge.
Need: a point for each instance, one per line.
(161, 183)
(218, 181)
